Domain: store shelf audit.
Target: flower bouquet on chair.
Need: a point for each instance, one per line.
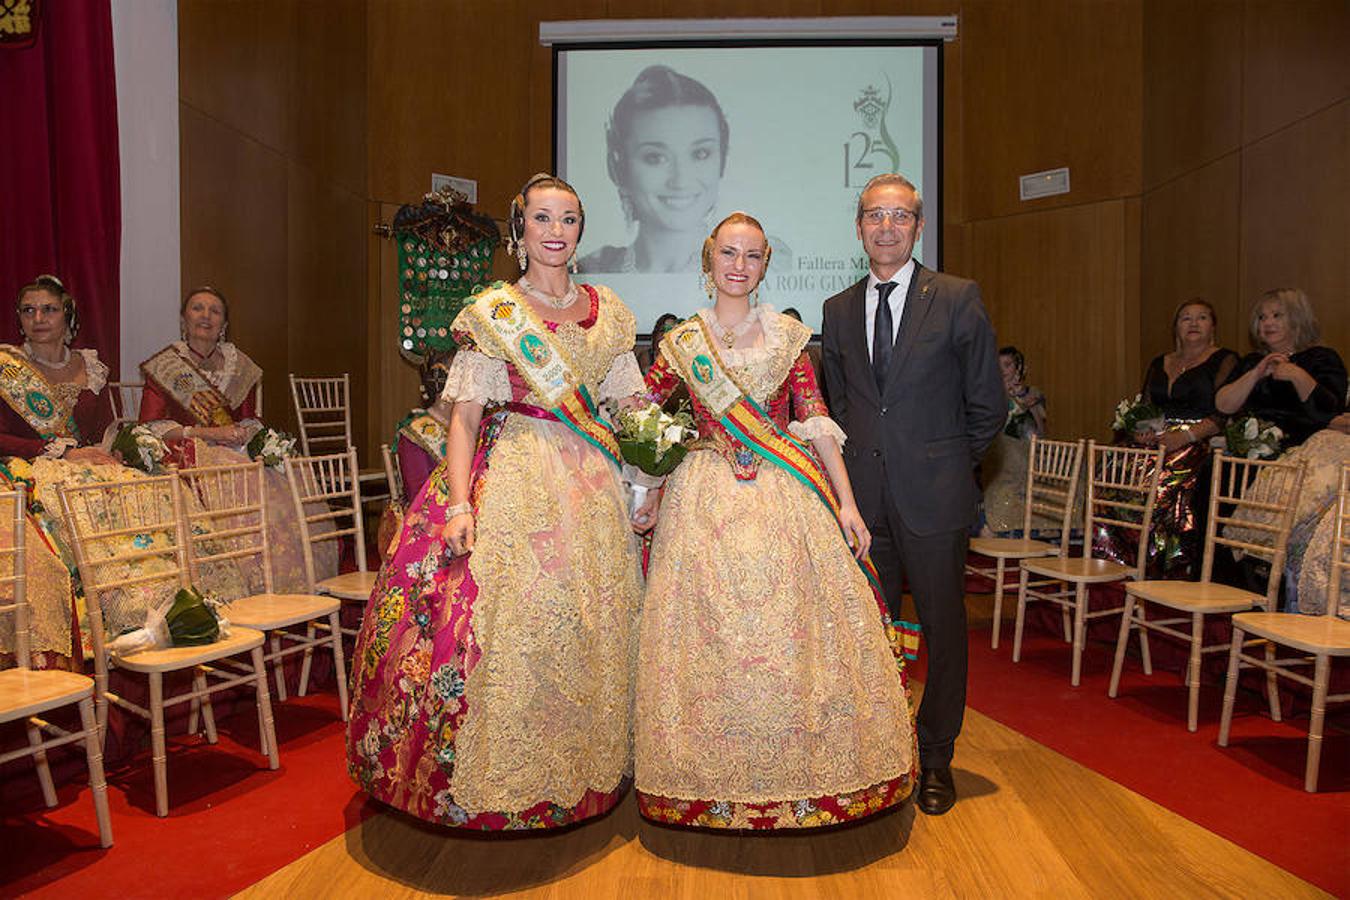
(1137, 416)
(654, 442)
(139, 447)
(190, 619)
(271, 446)
(1252, 438)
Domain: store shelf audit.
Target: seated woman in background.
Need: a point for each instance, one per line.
(1182, 384)
(1004, 468)
(647, 355)
(1290, 381)
(54, 413)
(419, 445)
(201, 397)
(1307, 563)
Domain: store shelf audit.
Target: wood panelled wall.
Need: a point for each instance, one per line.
(1206, 142)
(1246, 142)
(274, 198)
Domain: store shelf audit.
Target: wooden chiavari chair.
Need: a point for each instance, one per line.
(1052, 487)
(1320, 637)
(1122, 485)
(27, 693)
(323, 411)
(328, 483)
(1232, 483)
(124, 399)
(229, 523)
(100, 518)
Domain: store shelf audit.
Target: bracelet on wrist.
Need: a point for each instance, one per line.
(459, 509)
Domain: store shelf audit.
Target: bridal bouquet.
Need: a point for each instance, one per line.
(271, 446)
(654, 440)
(1137, 414)
(189, 620)
(1251, 438)
(140, 448)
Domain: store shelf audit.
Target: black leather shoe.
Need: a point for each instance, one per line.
(937, 791)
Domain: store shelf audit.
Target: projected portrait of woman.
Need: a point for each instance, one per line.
(666, 145)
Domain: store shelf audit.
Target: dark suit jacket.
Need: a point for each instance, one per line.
(942, 405)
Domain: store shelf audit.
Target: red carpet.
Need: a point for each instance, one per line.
(233, 822)
(1250, 792)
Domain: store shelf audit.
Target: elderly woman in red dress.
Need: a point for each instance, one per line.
(202, 398)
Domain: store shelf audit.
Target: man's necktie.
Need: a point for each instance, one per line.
(882, 333)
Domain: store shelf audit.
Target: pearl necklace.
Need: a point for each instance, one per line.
(727, 335)
(47, 364)
(568, 297)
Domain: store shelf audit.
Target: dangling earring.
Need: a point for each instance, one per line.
(629, 215)
(182, 330)
(224, 329)
(754, 296)
(708, 287)
(572, 263)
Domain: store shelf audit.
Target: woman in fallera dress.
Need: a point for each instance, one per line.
(202, 399)
(493, 675)
(769, 695)
(54, 413)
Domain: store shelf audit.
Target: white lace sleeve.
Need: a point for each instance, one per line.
(478, 378)
(818, 427)
(624, 379)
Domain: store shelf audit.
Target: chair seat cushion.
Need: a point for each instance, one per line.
(1012, 548)
(1075, 568)
(268, 611)
(25, 692)
(350, 585)
(1195, 596)
(240, 640)
(1313, 634)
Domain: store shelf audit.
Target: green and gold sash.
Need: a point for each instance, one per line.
(425, 432)
(30, 394)
(525, 342)
(693, 353)
(175, 375)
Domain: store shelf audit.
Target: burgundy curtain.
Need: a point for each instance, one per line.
(60, 197)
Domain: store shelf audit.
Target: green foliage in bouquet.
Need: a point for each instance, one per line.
(191, 622)
(1252, 438)
(1137, 414)
(140, 448)
(653, 440)
(271, 446)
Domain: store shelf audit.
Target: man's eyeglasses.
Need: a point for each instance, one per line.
(876, 215)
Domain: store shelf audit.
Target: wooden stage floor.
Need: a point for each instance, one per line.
(1030, 823)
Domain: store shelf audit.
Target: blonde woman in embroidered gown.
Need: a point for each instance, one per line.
(769, 695)
(201, 398)
(492, 679)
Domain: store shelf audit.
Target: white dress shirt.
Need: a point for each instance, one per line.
(896, 301)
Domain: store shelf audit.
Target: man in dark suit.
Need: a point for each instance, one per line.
(911, 374)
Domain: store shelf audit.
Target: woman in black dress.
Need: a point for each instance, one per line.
(1290, 381)
(1182, 384)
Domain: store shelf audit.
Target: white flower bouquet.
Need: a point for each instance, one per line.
(654, 440)
(139, 447)
(1136, 415)
(271, 446)
(1252, 438)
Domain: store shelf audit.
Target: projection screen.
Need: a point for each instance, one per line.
(663, 141)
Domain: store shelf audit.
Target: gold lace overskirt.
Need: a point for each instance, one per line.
(764, 672)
